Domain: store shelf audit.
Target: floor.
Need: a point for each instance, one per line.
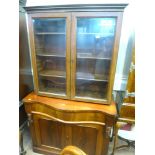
(28, 148)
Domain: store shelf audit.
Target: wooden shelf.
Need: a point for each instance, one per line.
(79, 75)
(91, 77)
(50, 33)
(90, 56)
(96, 54)
(100, 34)
(56, 91)
(91, 94)
(50, 73)
(50, 55)
(79, 56)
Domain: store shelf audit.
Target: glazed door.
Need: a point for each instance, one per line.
(50, 45)
(94, 54)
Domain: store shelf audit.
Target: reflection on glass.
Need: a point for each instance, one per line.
(50, 46)
(95, 39)
(43, 25)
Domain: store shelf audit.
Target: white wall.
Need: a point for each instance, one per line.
(126, 43)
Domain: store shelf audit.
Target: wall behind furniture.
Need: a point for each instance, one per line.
(25, 73)
(125, 49)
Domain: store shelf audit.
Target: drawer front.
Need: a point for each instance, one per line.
(69, 115)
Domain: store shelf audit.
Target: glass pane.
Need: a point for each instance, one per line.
(95, 39)
(50, 25)
(50, 47)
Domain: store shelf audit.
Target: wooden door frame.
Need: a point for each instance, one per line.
(33, 51)
(118, 16)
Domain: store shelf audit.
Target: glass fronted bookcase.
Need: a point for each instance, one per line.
(50, 47)
(74, 54)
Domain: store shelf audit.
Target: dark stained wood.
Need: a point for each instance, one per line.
(56, 123)
(78, 7)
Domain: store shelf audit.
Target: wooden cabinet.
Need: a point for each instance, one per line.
(74, 50)
(56, 123)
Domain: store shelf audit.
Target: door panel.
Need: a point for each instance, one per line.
(50, 135)
(50, 46)
(94, 55)
(85, 138)
(54, 135)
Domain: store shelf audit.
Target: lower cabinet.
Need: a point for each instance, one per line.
(54, 126)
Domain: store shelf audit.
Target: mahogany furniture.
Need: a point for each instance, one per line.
(74, 50)
(56, 123)
(74, 53)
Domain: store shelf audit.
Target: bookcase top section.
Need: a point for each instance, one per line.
(78, 7)
(66, 2)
